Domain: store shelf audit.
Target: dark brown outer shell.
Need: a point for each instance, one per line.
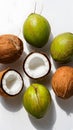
(48, 63)
(62, 82)
(3, 92)
(11, 48)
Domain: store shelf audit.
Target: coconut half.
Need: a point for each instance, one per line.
(11, 82)
(36, 65)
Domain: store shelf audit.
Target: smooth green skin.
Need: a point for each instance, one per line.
(36, 100)
(62, 47)
(36, 30)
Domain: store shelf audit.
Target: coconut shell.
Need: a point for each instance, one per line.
(42, 77)
(11, 48)
(1, 91)
(62, 82)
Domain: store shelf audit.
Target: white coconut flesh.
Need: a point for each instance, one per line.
(36, 65)
(12, 82)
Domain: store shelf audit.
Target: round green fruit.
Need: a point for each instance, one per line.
(62, 47)
(36, 100)
(36, 30)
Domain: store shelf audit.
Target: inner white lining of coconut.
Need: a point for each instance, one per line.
(12, 82)
(36, 65)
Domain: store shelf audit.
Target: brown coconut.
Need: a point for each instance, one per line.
(11, 48)
(62, 82)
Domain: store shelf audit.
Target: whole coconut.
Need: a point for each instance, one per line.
(11, 48)
(62, 82)
(37, 100)
(62, 47)
(36, 30)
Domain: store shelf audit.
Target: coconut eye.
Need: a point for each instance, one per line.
(36, 65)
(12, 82)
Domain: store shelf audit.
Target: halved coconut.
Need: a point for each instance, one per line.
(11, 82)
(36, 65)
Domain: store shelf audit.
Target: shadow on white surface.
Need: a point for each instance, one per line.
(57, 65)
(46, 81)
(18, 65)
(45, 49)
(47, 122)
(12, 104)
(66, 105)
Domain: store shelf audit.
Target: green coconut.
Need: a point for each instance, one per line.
(37, 100)
(36, 30)
(62, 47)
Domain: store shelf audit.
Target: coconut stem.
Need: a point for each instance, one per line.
(35, 7)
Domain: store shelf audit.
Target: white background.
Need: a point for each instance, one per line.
(13, 13)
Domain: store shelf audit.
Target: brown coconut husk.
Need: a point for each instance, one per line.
(2, 93)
